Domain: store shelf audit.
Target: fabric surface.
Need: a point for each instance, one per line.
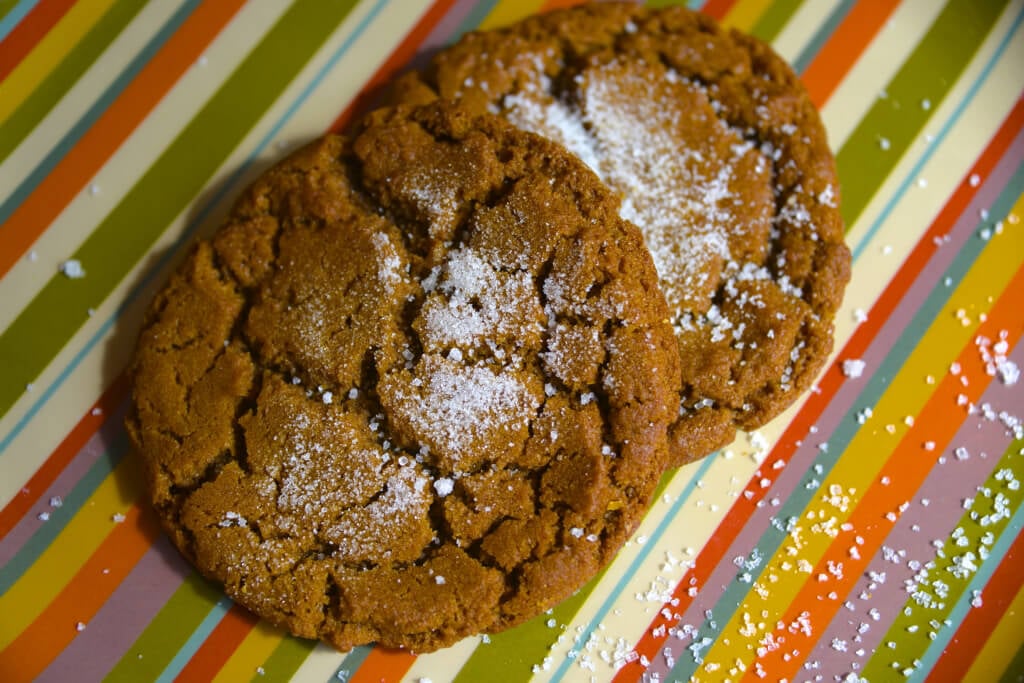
(872, 530)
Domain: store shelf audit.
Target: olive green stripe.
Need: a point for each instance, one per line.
(525, 646)
(174, 180)
(521, 648)
(775, 18)
(156, 646)
(912, 96)
(285, 660)
(39, 103)
(6, 6)
(910, 631)
(1015, 670)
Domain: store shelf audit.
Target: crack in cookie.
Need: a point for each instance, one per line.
(720, 159)
(427, 385)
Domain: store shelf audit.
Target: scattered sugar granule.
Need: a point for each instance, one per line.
(328, 397)
(974, 180)
(43, 516)
(860, 315)
(853, 367)
(884, 143)
(79, 626)
(72, 268)
(444, 486)
(117, 517)
(439, 580)
(56, 501)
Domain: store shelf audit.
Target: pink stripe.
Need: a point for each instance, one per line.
(894, 328)
(113, 630)
(946, 486)
(65, 482)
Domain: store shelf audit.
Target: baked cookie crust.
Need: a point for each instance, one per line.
(417, 387)
(719, 157)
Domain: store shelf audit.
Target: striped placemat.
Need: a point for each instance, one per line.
(873, 531)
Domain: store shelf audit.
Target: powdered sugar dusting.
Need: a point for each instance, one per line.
(481, 303)
(681, 206)
(459, 407)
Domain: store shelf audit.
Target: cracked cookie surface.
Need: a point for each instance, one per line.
(722, 161)
(416, 387)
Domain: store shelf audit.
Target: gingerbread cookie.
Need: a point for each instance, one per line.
(720, 158)
(417, 387)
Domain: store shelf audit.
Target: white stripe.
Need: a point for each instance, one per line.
(802, 27)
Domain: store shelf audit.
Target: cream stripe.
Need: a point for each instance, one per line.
(876, 67)
(989, 107)
(48, 53)
(443, 665)
(82, 95)
(802, 27)
(110, 355)
(910, 218)
(138, 152)
(319, 665)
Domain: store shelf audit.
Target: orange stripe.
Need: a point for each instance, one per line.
(39, 644)
(29, 31)
(717, 8)
(219, 645)
(980, 622)
(383, 664)
(844, 47)
(398, 60)
(905, 470)
(101, 141)
(829, 384)
(87, 426)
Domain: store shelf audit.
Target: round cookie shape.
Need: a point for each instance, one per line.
(417, 387)
(719, 157)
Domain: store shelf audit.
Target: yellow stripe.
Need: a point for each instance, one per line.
(508, 12)
(745, 13)
(55, 568)
(48, 53)
(249, 656)
(1002, 645)
(854, 472)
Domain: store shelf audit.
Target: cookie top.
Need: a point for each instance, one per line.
(720, 158)
(417, 387)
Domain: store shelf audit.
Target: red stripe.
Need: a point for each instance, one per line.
(100, 142)
(218, 647)
(383, 664)
(717, 8)
(844, 47)
(87, 426)
(829, 384)
(29, 31)
(40, 643)
(371, 90)
(906, 470)
(1000, 591)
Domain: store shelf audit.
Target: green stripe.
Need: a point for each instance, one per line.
(521, 648)
(928, 74)
(167, 632)
(910, 632)
(181, 172)
(6, 6)
(60, 516)
(821, 36)
(1015, 671)
(285, 660)
(775, 18)
(528, 644)
(473, 19)
(30, 112)
(878, 384)
(353, 660)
